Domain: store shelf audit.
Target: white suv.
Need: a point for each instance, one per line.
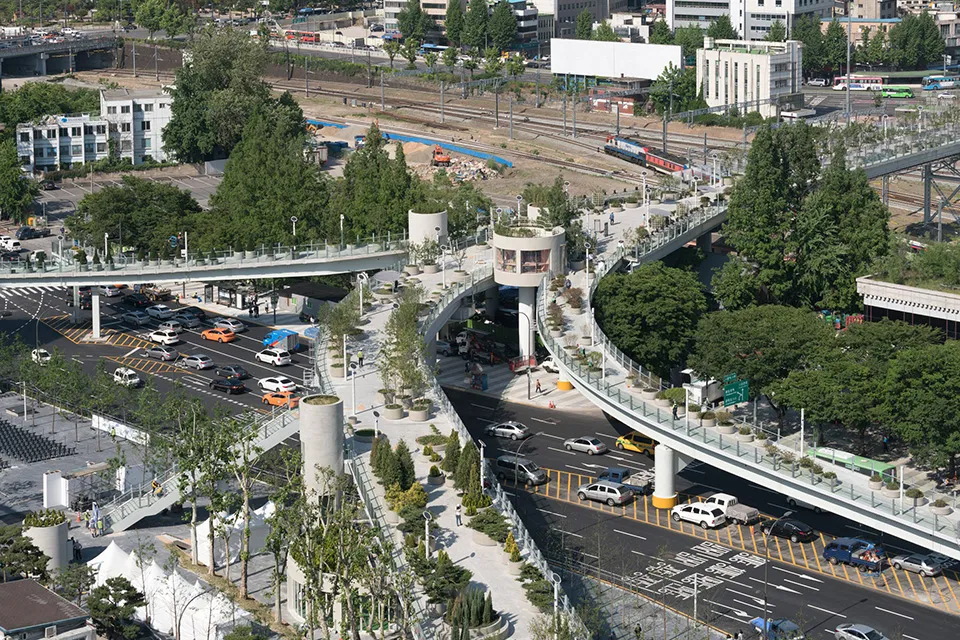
(165, 337)
(127, 377)
(276, 357)
(706, 516)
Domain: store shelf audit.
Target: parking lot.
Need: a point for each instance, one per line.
(63, 201)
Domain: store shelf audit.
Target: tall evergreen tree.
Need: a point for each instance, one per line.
(807, 30)
(407, 476)
(475, 24)
(777, 33)
(584, 28)
(660, 33)
(605, 33)
(453, 22)
(503, 26)
(16, 191)
(722, 29)
(835, 47)
(689, 39)
(413, 21)
(112, 606)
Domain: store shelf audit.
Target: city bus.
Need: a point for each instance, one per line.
(935, 83)
(889, 91)
(431, 48)
(858, 83)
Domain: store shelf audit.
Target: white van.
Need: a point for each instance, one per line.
(127, 377)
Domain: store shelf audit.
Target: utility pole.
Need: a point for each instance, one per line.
(156, 62)
(306, 76)
(704, 148)
(564, 113)
(441, 100)
(539, 62)
(369, 80)
(511, 122)
(849, 28)
(383, 106)
(575, 100)
(616, 107)
(496, 105)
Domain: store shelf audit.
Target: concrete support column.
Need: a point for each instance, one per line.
(42, 64)
(927, 173)
(75, 316)
(885, 189)
(491, 301)
(95, 310)
(527, 320)
(665, 468)
(705, 243)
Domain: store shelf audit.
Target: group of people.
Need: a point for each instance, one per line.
(93, 521)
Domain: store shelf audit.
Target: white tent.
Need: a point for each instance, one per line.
(258, 535)
(111, 562)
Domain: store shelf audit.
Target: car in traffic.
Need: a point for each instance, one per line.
(160, 312)
(917, 563)
(136, 318)
(198, 361)
(550, 366)
(862, 554)
(277, 383)
(230, 323)
(109, 290)
(445, 349)
(280, 399)
(636, 441)
(228, 385)
(817, 82)
(171, 325)
(197, 312)
(232, 371)
(276, 357)
(610, 493)
(519, 470)
(509, 429)
(136, 300)
(188, 320)
(794, 503)
(586, 444)
(790, 528)
(218, 334)
(853, 631)
(706, 517)
(126, 377)
(40, 356)
(49, 185)
(161, 352)
(164, 337)
(777, 629)
(30, 233)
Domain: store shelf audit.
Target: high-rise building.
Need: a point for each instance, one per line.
(751, 18)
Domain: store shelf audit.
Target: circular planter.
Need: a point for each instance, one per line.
(744, 437)
(708, 422)
(435, 480)
(153, 263)
(353, 420)
(940, 511)
(411, 270)
(52, 542)
(514, 568)
(631, 205)
(916, 502)
(586, 341)
(362, 437)
(238, 255)
(662, 402)
(577, 265)
(648, 394)
(483, 539)
(875, 486)
(419, 415)
(556, 333)
(336, 372)
(459, 276)
(393, 414)
(249, 255)
(890, 493)
(267, 257)
(761, 442)
(429, 269)
(727, 429)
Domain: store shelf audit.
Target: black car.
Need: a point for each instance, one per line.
(29, 233)
(137, 300)
(49, 185)
(233, 371)
(10, 256)
(196, 312)
(228, 385)
(795, 530)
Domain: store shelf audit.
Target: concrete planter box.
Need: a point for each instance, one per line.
(890, 493)
(556, 333)
(708, 422)
(940, 511)
(648, 394)
(336, 372)
(429, 269)
(916, 502)
(153, 263)
(238, 255)
(744, 437)
(362, 439)
(875, 486)
(52, 541)
(577, 265)
(514, 568)
(499, 629)
(727, 429)
(419, 415)
(411, 270)
(436, 480)
(631, 205)
(662, 402)
(249, 255)
(483, 539)
(459, 276)
(586, 341)
(393, 414)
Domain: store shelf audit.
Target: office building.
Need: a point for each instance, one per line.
(872, 9)
(62, 142)
(751, 18)
(137, 119)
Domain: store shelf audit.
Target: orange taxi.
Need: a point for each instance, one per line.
(281, 399)
(219, 334)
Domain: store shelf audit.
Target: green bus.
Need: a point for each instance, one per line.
(892, 91)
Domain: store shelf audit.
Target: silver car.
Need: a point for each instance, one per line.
(188, 320)
(161, 352)
(848, 631)
(917, 563)
(136, 318)
(198, 361)
(588, 445)
(602, 491)
(230, 323)
(509, 429)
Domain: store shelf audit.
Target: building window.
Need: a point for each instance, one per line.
(101, 129)
(87, 130)
(77, 149)
(63, 131)
(88, 148)
(101, 147)
(76, 131)
(148, 107)
(535, 261)
(125, 146)
(147, 143)
(163, 106)
(24, 159)
(137, 107)
(125, 127)
(125, 108)
(112, 110)
(64, 151)
(507, 260)
(51, 134)
(144, 125)
(25, 137)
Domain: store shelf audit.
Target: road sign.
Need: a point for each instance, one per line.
(736, 392)
(730, 377)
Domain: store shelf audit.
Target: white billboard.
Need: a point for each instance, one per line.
(611, 59)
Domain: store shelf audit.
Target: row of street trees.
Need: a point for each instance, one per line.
(477, 28)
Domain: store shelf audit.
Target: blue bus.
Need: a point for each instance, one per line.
(935, 83)
(431, 48)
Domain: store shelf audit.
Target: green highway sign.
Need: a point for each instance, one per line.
(736, 392)
(730, 377)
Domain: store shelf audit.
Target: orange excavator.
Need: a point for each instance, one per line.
(440, 157)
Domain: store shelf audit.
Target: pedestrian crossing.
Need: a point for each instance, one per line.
(76, 333)
(13, 292)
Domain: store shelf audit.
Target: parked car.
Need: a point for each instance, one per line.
(280, 399)
(794, 530)
(232, 371)
(852, 631)
(230, 323)
(732, 509)
(276, 357)
(228, 385)
(164, 337)
(622, 476)
(700, 514)
(127, 378)
(636, 441)
(188, 320)
(218, 334)
(863, 555)
(198, 361)
(509, 429)
(519, 470)
(918, 563)
(277, 383)
(136, 318)
(817, 82)
(779, 629)
(10, 244)
(589, 445)
(445, 349)
(40, 356)
(610, 493)
(49, 185)
(160, 312)
(171, 325)
(194, 311)
(161, 353)
(29, 233)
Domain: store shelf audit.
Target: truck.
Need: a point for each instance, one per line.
(855, 552)
(640, 487)
(733, 509)
(153, 292)
(701, 392)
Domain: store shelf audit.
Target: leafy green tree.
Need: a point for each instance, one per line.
(34, 100)
(492, 62)
(469, 459)
(876, 50)
(660, 33)
(777, 33)
(430, 59)
(475, 24)
(453, 23)
(392, 49)
(112, 606)
(653, 311)
(74, 581)
(682, 84)
(413, 22)
(19, 557)
(835, 46)
(244, 632)
(502, 26)
(450, 57)
(16, 190)
(807, 30)
(178, 19)
(150, 15)
(722, 29)
(515, 66)
(916, 43)
(689, 39)
(584, 25)
(409, 51)
(605, 33)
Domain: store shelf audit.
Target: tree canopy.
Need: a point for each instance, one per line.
(605, 33)
(584, 25)
(112, 606)
(722, 29)
(502, 26)
(475, 24)
(916, 43)
(682, 83)
(16, 190)
(19, 557)
(413, 22)
(36, 99)
(660, 33)
(777, 33)
(453, 22)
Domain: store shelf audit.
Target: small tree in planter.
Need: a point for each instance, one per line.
(96, 259)
(82, 258)
(141, 255)
(452, 453)
(574, 297)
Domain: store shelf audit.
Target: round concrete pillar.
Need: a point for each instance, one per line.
(665, 469)
(423, 226)
(321, 440)
(527, 320)
(52, 542)
(491, 301)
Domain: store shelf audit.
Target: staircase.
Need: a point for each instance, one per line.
(140, 502)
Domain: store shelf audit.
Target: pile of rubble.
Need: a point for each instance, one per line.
(460, 170)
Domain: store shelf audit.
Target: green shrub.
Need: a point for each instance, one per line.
(397, 498)
(830, 475)
(708, 415)
(724, 417)
(431, 440)
(876, 478)
(913, 493)
(435, 472)
(677, 395)
(817, 469)
(893, 485)
(44, 518)
(806, 463)
(428, 451)
(745, 431)
(940, 503)
(492, 523)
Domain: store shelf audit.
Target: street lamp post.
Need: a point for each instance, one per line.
(586, 245)
(362, 279)
(766, 571)
(427, 517)
(293, 219)
(353, 387)
(555, 578)
(528, 339)
(106, 237)
(341, 232)
(376, 424)
(516, 456)
(483, 446)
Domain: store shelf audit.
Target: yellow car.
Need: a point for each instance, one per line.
(636, 441)
(218, 334)
(281, 399)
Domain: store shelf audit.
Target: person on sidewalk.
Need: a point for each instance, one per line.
(675, 416)
(360, 357)
(539, 390)
(611, 218)
(459, 508)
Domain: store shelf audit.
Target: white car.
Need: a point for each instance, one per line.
(817, 82)
(127, 377)
(550, 366)
(40, 356)
(706, 516)
(160, 312)
(590, 446)
(230, 323)
(165, 337)
(198, 361)
(171, 325)
(509, 429)
(946, 96)
(276, 357)
(277, 384)
(848, 631)
(137, 318)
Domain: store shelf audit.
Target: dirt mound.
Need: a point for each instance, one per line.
(417, 153)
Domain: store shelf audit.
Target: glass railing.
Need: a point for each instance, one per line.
(901, 144)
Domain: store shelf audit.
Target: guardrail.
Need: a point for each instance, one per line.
(904, 146)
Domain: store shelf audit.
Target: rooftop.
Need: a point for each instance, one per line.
(125, 94)
(25, 604)
(70, 118)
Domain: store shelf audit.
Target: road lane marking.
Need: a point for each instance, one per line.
(799, 575)
(632, 535)
(550, 422)
(481, 406)
(833, 613)
(570, 466)
(729, 616)
(553, 513)
(550, 435)
(567, 533)
(893, 613)
(131, 352)
(755, 486)
(562, 451)
(800, 584)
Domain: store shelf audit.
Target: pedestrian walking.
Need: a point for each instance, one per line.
(675, 416)
(76, 550)
(466, 367)
(360, 357)
(611, 218)
(459, 508)
(539, 390)
(886, 443)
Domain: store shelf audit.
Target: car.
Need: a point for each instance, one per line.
(29, 233)
(794, 503)
(519, 470)
(160, 312)
(856, 552)
(610, 493)
(164, 337)
(198, 361)
(445, 349)
(917, 563)
(590, 446)
(228, 385)
(11, 244)
(109, 290)
(197, 312)
(171, 325)
(635, 482)
(218, 334)
(49, 185)
(636, 441)
(550, 366)
(277, 383)
(817, 82)
(853, 631)
(790, 528)
(126, 377)
(509, 429)
(230, 323)
(136, 300)
(232, 371)
(946, 96)
(40, 356)
(9, 256)
(136, 318)
(779, 629)
(161, 353)
(188, 320)
(276, 357)
(280, 399)
(700, 514)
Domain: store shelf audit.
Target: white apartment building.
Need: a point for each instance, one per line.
(565, 13)
(62, 142)
(137, 119)
(738, 71)
(686, 13)
(751, 18)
